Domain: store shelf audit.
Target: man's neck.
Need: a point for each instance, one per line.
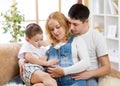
(85, 30)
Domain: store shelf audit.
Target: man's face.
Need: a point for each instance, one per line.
(76, 26)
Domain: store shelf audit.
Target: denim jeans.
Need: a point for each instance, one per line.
(16, 80)
(68, 81)
(92, 82)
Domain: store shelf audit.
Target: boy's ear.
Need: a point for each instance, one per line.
(86, 20)
(27, 39)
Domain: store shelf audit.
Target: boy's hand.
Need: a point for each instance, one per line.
(53, 62)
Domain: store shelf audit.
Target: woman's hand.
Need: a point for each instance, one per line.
(55, 71)
(21, 66)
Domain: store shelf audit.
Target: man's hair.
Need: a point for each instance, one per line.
(79, 12)
(32, 29)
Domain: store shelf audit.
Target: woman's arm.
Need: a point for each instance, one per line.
(80, 47)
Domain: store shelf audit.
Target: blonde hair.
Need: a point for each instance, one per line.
(62, 20)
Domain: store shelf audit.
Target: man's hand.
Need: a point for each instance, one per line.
(55, 71)
(83, 75)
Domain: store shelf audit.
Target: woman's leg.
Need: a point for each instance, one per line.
(42, 77)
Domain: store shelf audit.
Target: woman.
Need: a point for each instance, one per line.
(70, 50)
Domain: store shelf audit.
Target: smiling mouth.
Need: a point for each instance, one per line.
(57, 35)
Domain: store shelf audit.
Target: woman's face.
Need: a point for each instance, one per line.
(56, 30)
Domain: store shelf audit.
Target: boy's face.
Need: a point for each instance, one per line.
(36, 40)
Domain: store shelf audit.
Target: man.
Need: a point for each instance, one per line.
(96, 43)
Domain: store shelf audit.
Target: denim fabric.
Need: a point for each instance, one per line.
(92, 82)
(68, 81)
(64, 55)
(16, 80)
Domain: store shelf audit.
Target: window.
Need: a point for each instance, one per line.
(34, 11)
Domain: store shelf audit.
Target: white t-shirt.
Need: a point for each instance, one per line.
(27, 47)
(97, 46)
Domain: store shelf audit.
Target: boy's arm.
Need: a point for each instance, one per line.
(32, 59)
(44, 57)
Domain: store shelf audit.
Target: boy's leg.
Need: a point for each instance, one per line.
(38, 84)
(42, 77)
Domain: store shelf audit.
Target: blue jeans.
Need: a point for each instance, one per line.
(92, 82)
(16, 80)
(68, 81)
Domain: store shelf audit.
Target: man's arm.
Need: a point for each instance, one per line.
(103, 69)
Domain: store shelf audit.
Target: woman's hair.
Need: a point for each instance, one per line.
(62, 20)
(32, 29)
(79, 11)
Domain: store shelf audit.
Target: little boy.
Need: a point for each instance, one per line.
(33, 52)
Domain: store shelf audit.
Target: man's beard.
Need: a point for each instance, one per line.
(74, 33)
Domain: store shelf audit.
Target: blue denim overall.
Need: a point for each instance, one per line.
(64, 55)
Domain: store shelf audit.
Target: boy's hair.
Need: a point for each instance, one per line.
(79, 12)
(32, 29)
